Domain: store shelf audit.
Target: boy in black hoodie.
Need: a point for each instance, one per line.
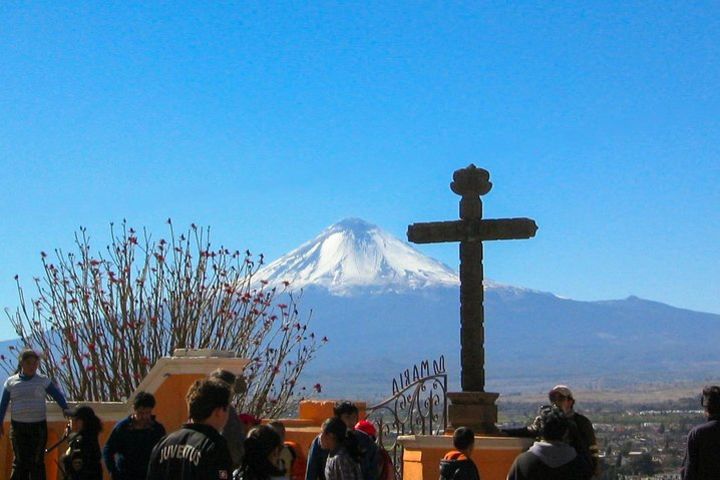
(457, 464)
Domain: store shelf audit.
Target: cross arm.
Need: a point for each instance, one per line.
(472, 230)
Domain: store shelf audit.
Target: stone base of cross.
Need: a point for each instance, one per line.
(473, 407)
(476, 410)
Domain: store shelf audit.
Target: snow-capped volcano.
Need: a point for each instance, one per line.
(354, 254)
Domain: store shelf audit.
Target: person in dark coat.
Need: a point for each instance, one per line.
(702, 457)
(551, 458)
(457, 464)
(234, 431)
(127, 450)
(196, 451)
(82, 459)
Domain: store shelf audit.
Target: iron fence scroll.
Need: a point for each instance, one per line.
(418, 406)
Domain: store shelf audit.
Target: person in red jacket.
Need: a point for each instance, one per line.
(386, 468)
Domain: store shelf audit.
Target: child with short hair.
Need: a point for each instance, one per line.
(457, 464)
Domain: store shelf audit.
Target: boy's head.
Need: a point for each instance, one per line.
(366, 427)
(562, 396)
(143, 405)
(348, 412)
(554, 423)
(711, 400)
(208, 402)
(279, 427)
(29, 361)
(463, 439)
(236, 382)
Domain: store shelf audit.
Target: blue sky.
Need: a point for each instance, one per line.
(269, 121)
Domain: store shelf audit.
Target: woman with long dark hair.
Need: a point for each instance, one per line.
(262, 450)
(343, 461)
(82, 459)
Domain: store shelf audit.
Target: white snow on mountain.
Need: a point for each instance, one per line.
(354, 255)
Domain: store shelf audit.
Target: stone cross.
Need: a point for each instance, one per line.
(471, 230)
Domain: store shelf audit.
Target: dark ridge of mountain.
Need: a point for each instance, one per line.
(532, 339)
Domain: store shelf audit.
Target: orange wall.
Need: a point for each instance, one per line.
(424, 463)
(55, 431)
(170, 410)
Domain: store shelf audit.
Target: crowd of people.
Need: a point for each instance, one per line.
(215, 442)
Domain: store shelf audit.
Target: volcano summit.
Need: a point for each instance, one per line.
(354, 256)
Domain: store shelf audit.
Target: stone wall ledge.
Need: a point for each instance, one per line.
(413, 442)
(107, 411)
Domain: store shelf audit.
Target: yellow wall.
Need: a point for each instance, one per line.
(420, 461)
(492, 455)
(311, 415)
(170, 410)
(55, 432)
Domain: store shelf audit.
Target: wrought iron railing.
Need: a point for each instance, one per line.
(418, 405)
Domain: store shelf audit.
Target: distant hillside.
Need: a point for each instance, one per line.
(388, 320)
(385, 306)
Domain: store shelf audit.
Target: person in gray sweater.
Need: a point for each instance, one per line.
(24, 393)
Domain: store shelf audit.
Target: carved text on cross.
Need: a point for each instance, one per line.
(471, 230)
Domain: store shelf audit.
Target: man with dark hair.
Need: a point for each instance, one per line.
(25, 394)
(349, 413)
(127, 451)
(457, 464)
(551, 458)
(702, 457)
(197, 451)
(234, 431)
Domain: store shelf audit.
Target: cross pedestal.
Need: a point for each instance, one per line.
(473, 407)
